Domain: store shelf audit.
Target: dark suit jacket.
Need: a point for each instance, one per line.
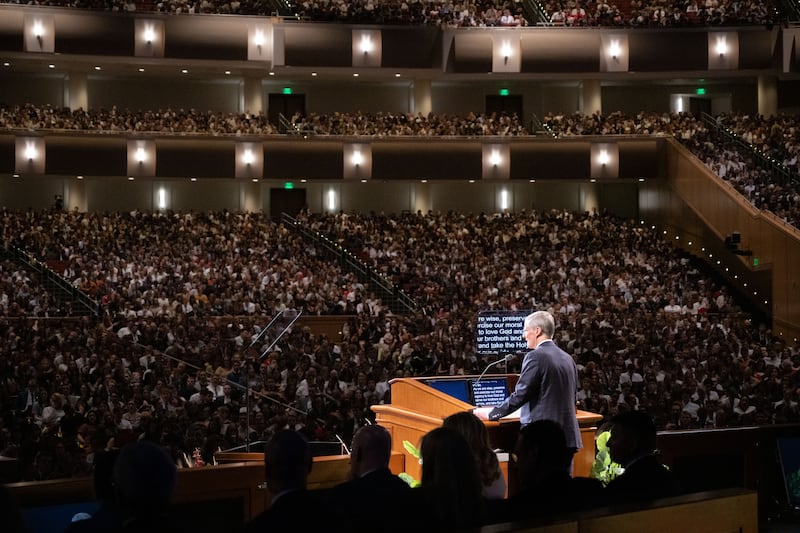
(557, 494)
(378, 501)
(548, 383)
(644, 479)
(299, 510)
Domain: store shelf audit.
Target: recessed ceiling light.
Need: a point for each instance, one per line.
(192, 179)
(363, 181)
(98, 67)
(532, 181)
(79, 177)
(592, 180)
(397, 75)
(141, 69)
(15, 175)
(130, 178)
(313, 74)
(51, 66)
(255, 180)
(424, 181)
(271, 73)
(184, 71)
(6, 64)
(355, 74)
(227, 72)
(303, 180)
(472, 181)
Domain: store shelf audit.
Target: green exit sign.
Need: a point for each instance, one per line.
(288, 90)
(288, 185)
(503, 92)
(755, 261)
(700, 90)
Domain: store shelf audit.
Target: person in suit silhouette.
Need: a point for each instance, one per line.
(372, 497)
(633, 445)
(548, 382)
(287, 463)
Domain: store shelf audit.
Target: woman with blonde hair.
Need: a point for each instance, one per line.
(493, 482)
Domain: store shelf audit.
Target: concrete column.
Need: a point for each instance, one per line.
(77, 93)
(421, 97)
(252, 99)
(767, 95)
(590, 99)
(423, 197)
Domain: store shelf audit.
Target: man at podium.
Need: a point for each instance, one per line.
(548, 381)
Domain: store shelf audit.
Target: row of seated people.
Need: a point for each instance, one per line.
(461, 487)
(191, 121)
(654, 13)
(661, 14)
(648, 328)
(486, 13)
(775, 137)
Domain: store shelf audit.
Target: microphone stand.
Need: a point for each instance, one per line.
(490, 365)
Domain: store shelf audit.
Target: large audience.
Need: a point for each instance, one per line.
(774, 137)
(632, 13)
(661, 14)
(740, 168)
(184, 296)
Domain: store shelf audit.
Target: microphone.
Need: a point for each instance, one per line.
(507, 358)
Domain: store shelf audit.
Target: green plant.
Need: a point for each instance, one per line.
(413, 451)
(603, 468)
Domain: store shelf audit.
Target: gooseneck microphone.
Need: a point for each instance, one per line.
(505, 359)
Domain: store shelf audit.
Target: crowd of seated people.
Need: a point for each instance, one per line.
(738, 167)
(191, 121)
(647, 327)
(775, 136)
(661, 14)
(486, 13)
(635, 13)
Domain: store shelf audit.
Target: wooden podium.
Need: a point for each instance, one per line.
(417, 408)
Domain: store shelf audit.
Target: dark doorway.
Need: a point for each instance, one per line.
(504, 104)
(289, 201)
(697, 106)
(286, 105)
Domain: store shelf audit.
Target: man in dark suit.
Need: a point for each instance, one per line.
(373, 496)
(287, 463)
(545, 486)
(633, 445)
(548, 382)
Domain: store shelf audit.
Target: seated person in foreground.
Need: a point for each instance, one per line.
(474, 430)
(449, 497)
(374, 499)
(287, 463)
(633, 445)
(546, 489)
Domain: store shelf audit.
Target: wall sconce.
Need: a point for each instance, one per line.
(495, 158)
(366, 44)
(248, 158)
(603, 158)
(258, 39)
(614, 49)
(141, 155)
(30, 151)
(505, 50)
(38, 31)
(331, 199)
(357, 158)
(149, 35)
(162, 198)
(722, 46)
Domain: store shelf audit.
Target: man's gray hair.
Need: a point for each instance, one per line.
(541, 319)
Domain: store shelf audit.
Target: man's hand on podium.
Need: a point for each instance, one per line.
(495, 414)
